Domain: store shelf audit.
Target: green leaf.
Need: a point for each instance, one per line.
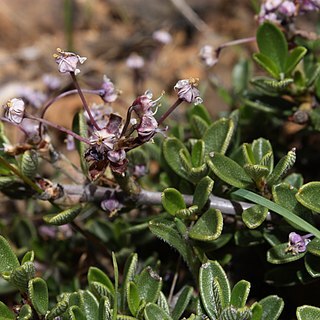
(29, 163)
(248, 154)
(308, 196)
(240, 293)
(154, 312)
(209, 272)
(197, 154)
(241, 74)
(59, 308)
(171, 149)
(79, 126)
(149, 285)
(187, 213)
(28, 257)
(229, 171)
(8, 260)
(267, 64)
(284, 195)
(218, 136)
(272, 43)
(308, 313)
(256, 172)
(208, 227)
(279, 254)
(261, 148)
(97, 275)
(63, 217)
(163, 303)
(295, 56)
(314, 247)
(198, 126)
(75, 313)
(182, 302)
(133, 298)
(312, 264)
(295, 180)
(166, 231)
(91, 305)
(20, 276)
(172, 201)
(100, 290)
(278, 209)
(38, 293)
(116, 286)
(238, 314)
(25, 313)
(128, 275)
(6, 313)
(104, 309)
(272, 307)
(202, 192)
(282, 167)
(200, 111)
(256, 309)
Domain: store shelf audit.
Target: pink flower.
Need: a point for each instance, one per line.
(162, 36)
(134, 61)
(187, 90)
(298, 244)
(206, 55)
(68, 61)
(14, 110)
(102, 138)
(110, 93)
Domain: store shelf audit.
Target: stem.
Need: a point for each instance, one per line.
(15, 124)
(174, 281)
(24, 178)
(84, 102)
(56, 126)
(233, 43)
(62, 95)
(170, 110)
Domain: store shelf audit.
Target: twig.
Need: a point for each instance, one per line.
(191, 16)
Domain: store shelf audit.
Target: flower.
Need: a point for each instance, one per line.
(298, 244)
(110, 94)
(206, 55)
(144, 104)
(102, 138)
(147, 127)
(68, 61)
(187, 90)
(134, 61)
(14, 110)
(162, 36)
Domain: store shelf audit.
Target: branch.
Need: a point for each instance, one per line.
(93, 193)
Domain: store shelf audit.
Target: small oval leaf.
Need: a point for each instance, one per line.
(254, 216)
(229, 171)
(202, 192)
(279, 254)
(272, 307)
(63, 217)
(8, 259)
(172, 201)
(208, 227)
(308, 196)
(308, 313)
(38, 293)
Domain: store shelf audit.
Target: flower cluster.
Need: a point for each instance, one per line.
(298, 244)
(280, 11)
